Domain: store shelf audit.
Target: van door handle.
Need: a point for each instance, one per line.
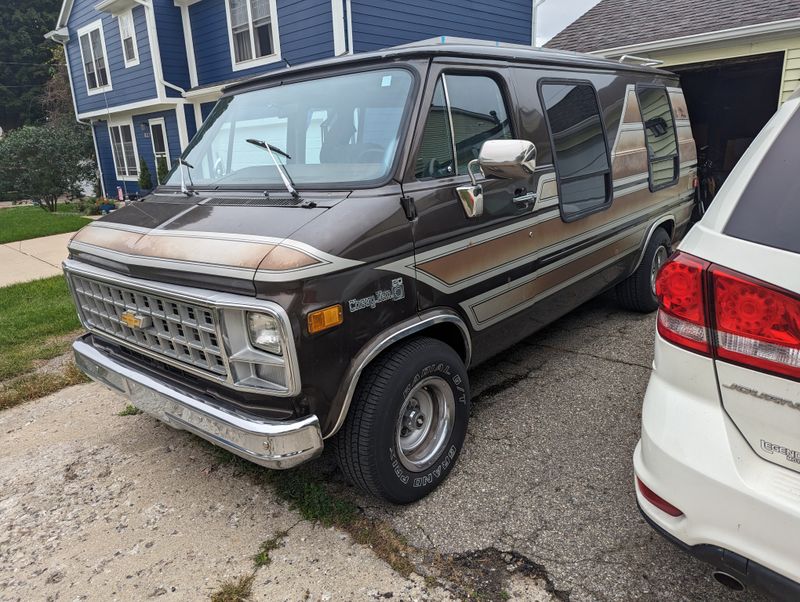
(524, 200)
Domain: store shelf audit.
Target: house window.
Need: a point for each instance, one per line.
(659, 131)
(124, 150)
(580, 147)
(467, 110)
(127, 33)
(93, 55)
(253, 32)
(158, 136)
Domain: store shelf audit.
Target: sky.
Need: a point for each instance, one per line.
(555, 15)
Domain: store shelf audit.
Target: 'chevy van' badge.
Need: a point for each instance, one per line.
(133, 320)
(396, 293)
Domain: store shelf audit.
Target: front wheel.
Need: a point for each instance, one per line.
(407, 421)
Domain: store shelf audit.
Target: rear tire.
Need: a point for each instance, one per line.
(407, 422)
(637, 293)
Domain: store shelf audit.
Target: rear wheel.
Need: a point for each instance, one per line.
(638, 292)
(407, 421)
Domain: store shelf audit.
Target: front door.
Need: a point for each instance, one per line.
(458, 257)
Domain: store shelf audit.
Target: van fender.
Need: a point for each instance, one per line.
(386, 339)
(653, 227)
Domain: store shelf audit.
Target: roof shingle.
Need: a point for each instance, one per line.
(615, 23)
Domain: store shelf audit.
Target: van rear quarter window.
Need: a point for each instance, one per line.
(768, 212)
(660, 135)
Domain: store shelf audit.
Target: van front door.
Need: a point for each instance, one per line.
(458, 256)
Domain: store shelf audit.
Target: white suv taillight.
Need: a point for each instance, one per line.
(714, 311)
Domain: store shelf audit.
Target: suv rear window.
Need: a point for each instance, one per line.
(768, 211)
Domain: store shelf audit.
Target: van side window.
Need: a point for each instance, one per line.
(474, 114)
(580, 149)
(662, 140)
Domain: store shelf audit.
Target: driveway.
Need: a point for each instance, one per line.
(103, 506)
(547, 469)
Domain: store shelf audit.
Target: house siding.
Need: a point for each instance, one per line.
(191, 126)
(106, 161)
(131, 84)
(172, 46)
(305, 29)
(144, 143)
(791, 73)
(379, 24)
(144, 148)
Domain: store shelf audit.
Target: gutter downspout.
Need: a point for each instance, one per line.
(148, 7)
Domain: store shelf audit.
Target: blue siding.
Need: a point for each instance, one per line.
(144, 144)
(305, 27)
(206, 108)
(130, 84)
(106, 160)
(382, 23)
(191, 126)
(172, 46)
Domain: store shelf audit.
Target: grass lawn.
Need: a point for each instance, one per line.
(22, 223)
(35, 319)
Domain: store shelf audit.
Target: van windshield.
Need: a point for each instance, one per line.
(343, 129)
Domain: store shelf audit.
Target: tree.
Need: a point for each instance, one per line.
(57, 95)
(24, 59)
(145, 179)
(162, 169)
(45, 162)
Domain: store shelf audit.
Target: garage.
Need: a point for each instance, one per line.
(729, 102)
(738, 62)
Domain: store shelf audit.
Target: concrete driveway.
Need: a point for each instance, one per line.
(547, 469)
(124, 507)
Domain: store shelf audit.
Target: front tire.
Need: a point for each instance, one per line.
(638, 293)
(407, 421)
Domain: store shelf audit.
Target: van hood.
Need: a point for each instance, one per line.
(206, 240)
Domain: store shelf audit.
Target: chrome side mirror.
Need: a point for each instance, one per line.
(509, 159)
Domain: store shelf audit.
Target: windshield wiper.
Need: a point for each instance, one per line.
(287, 179)
(187, 190)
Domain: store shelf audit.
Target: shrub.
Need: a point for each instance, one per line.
(45, 162)
(145, 179)
(162, 170)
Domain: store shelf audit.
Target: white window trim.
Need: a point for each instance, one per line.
(117, 123)
(276, 40)
(135, 60)
(86, 29)
(162, 122)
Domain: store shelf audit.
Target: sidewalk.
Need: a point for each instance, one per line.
(32, 259)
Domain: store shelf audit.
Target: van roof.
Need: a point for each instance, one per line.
(455, 47)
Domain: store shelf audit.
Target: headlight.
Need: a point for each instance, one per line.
(264, 332)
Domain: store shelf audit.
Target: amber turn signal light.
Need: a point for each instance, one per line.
(323, 319)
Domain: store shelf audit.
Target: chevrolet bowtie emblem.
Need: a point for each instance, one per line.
(133, 320)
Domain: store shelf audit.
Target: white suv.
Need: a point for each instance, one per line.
(718, 465)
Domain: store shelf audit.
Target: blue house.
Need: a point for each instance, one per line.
(146, 73)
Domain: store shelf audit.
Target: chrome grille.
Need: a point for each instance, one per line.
(185, 332)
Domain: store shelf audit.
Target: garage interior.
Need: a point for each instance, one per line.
(729, 102)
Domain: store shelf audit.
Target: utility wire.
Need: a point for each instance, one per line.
(35, 64)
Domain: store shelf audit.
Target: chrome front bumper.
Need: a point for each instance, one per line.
(270, 443)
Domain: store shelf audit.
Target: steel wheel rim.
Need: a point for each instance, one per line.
(659, 259)
(425, 423)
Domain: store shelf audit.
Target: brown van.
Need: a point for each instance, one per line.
(342, 240)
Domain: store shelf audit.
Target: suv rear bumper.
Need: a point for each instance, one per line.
(270, 443)
(749, 573)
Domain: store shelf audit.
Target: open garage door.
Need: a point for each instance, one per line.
(729, 102)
